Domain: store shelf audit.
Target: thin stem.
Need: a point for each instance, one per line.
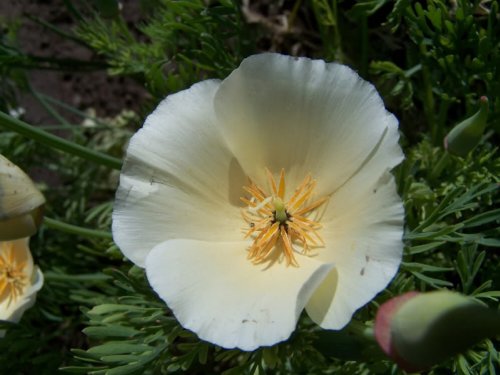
(21, 60)
(48, 107)
(338, 39)
(74, 229)
(364, 45)
(293, 13)
(440, 165)
(58, 143)
(73, 110)
(428, 96)
(57, 30)
(73, 10)
(361, 330)
(86, 277)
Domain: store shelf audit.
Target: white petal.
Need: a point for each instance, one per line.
(15, 309)
(220, 295)
(14, 312)
(363, 238)
(179, 180)
(302, 115)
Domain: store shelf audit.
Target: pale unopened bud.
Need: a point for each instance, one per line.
(21, 203)
(466, 135)
(419, 330)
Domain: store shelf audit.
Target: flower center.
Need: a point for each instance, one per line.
(12, 276)
(276, 224)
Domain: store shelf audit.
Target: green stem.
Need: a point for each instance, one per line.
(293, 13)
(58, 143)
(18, 59)
(428, 96)
(73, 229)
(57, 30)
(51, 275)
(440, 165)
(364, 45)
(361, 330)
(71, 8)
(73, 110)
(338, 39)
(48, 107)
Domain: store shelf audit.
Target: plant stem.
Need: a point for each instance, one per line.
(74, 229)
(364, 45)
(337, 37)
(58, 143)
(361, 330)
(48, 107)
(440, 165)
(73, 110)
(428, 99)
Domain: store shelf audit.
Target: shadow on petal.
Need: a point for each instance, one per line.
(319, 303)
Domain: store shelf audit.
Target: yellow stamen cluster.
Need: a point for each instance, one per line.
(13, 279)
(271, 219)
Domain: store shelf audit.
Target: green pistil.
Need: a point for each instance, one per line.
(280, 211)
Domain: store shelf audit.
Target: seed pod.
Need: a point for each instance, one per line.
(466, 135)
(21, 203)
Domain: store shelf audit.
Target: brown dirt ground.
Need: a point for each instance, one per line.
(107, 95)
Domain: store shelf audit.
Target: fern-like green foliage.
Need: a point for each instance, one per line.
(452, 56)
(430, 60)
(181, 42)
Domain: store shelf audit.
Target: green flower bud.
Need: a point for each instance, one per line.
(21, 203)
(419, 330)
(466, 135)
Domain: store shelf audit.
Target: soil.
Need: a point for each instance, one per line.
(107, 95)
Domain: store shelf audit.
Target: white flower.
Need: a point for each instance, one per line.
(239, 275)
(20, 280)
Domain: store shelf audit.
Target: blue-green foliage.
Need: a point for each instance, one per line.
(430, 60)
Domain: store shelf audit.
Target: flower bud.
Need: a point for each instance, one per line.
(419, 330)
(21, 203)
(465, 136)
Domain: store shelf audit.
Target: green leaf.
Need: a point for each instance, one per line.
(413, 266)
(491, 242)
(483, 218)
(110, 331)
(436, 283)
(424, 248)
(118, 347)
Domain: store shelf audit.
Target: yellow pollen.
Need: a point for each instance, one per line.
(13, 279)
(275, 223)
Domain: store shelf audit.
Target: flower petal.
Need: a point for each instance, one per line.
(13, 310)
(303, 115)
(363, 238)
(220, 295)
(179, 179)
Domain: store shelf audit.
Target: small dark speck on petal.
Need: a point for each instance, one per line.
(362, 272)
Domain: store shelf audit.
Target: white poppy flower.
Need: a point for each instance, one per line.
(308, 147)
(20, 280)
